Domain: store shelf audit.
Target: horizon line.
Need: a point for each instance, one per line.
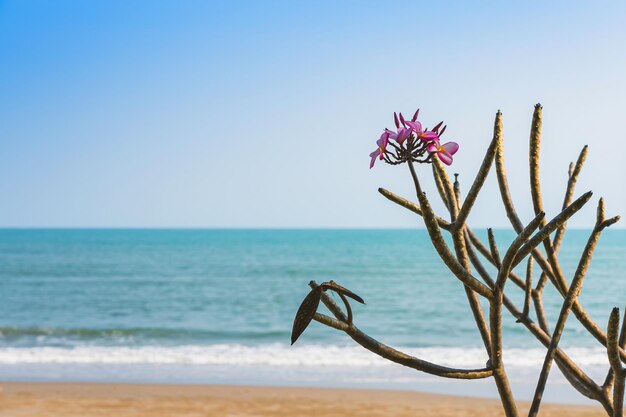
(4, 228)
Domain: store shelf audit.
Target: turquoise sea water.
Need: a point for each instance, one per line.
(218, 305)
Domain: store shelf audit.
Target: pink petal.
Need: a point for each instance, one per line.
(445, 158)
(403, 135)
(372, 162)
(432, 147)
(384, 139)
(414, 118)
(415, 126)
(436, 128)
(395, 119)
(429, 135)
(450, 147)
(402, 120)
(375, 153)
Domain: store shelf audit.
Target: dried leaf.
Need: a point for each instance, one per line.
(332, 285)
(305, 313)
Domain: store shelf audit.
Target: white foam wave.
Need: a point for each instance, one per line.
(279, 355)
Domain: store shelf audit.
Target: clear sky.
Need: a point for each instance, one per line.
(262, 114)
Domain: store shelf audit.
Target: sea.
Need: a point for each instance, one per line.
(217, 306)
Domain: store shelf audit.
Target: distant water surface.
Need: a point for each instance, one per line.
(150, 303)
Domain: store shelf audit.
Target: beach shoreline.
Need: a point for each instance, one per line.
(132, 400)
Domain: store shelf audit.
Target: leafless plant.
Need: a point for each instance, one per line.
(464, 254)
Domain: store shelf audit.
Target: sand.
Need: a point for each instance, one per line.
(120, 400)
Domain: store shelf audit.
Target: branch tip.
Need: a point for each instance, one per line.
(610, 221)
(600, 211)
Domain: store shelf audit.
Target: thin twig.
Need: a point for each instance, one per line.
(569, 193)
(495, 255)
(534, 147)
(481, 176)
(440, 189)
(444, 224)
(544, 233)
(529, 287)
(556, 276)
(579, 380)
(440, 172)
(616, 363)
(495, 317)
(458, 239)
(430, 221)
(572, 295)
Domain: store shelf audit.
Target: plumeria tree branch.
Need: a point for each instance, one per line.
(554, 275)
(453, 194)
(572, 295)
(430, 221)
(619, 373)
(495, 316)
(481, 176)
(387, 352)
(572, 372)
(413, 144)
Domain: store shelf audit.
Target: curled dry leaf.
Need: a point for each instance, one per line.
(332, 285)
(305, 313)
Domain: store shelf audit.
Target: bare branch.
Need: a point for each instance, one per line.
(444, 224)
(457, 190)
(458, 239)
(504, 187)
(574, 171)
(394, 355)
(544, 233)
(616, 363)
(430, 220)
(440, 172)
(440, 188)
(556, 276)
(529, 287)
(572, 295)
(483, 171)
(539, 310)
(534, 147)
(495, 255)
(579, 380)
(495, 317)
(487, 254)
(331, 322)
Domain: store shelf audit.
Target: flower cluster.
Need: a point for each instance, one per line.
(413, 143)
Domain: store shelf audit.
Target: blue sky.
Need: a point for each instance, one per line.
(262, 114)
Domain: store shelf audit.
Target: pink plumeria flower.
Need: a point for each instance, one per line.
(428, 136)
(374, 155)
(444, 152)
(401, 135)
(415, 126)
(420, 133)
(425, 135)
(402, 132)
(382, 147)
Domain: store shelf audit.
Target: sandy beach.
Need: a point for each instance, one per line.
(91, 399)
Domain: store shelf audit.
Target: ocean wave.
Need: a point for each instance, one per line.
(112, 335)
(279, 355)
